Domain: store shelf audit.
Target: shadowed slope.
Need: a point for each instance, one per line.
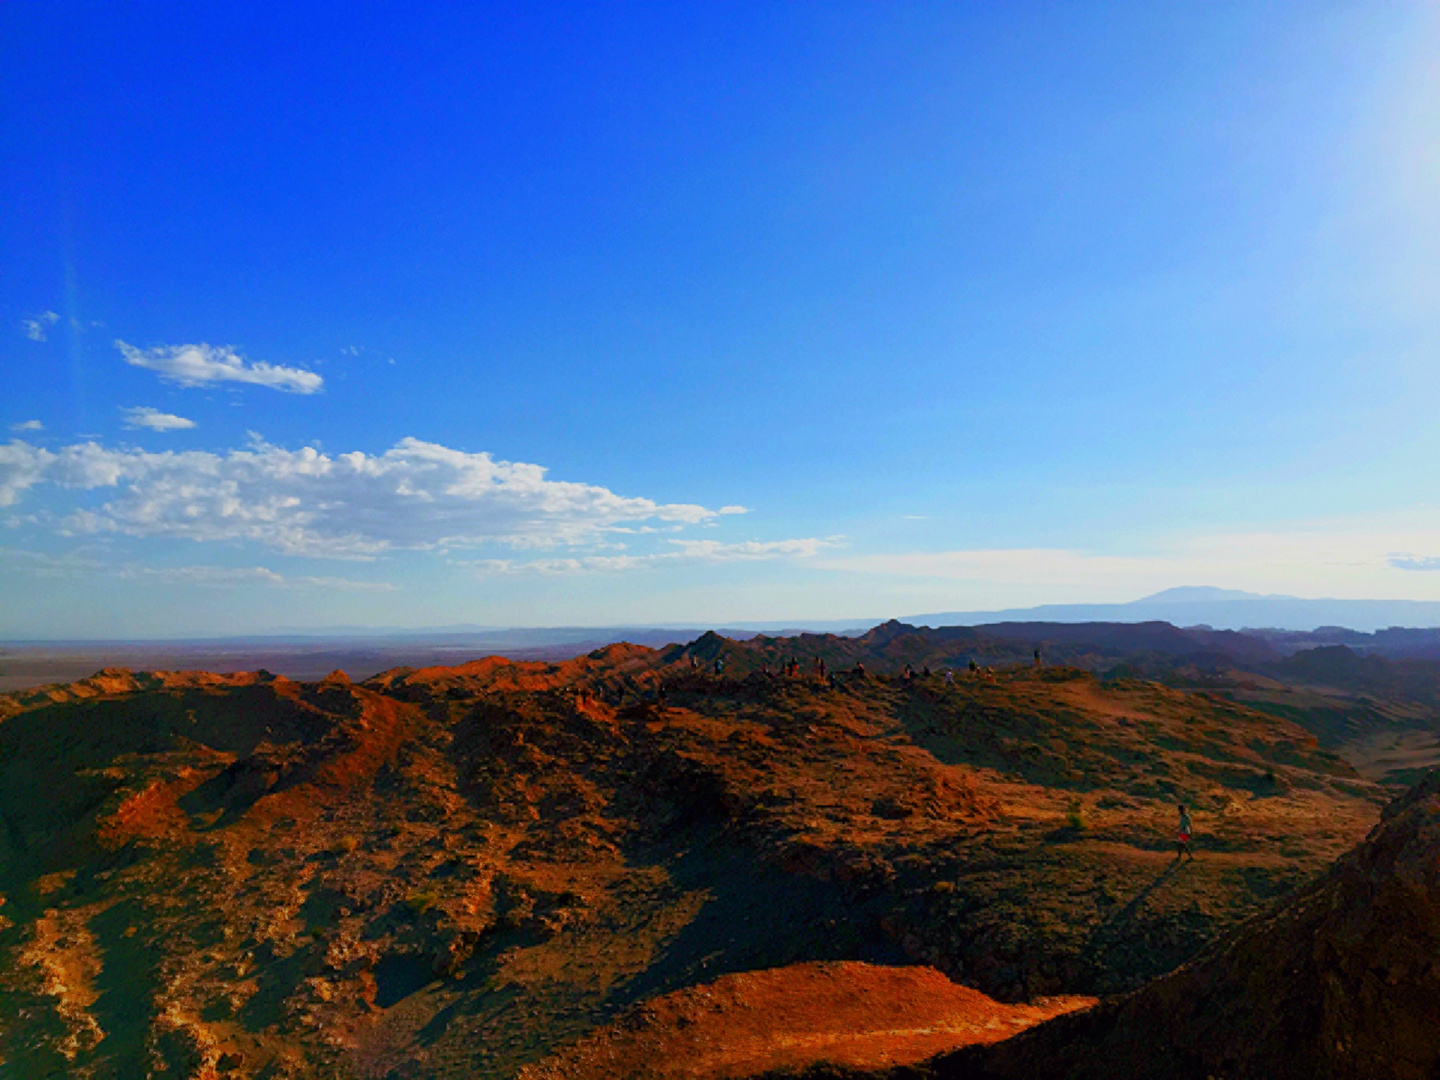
(1340, 981)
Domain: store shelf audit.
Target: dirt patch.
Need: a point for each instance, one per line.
(846, 1014)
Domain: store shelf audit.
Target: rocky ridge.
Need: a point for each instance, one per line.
(458, 871)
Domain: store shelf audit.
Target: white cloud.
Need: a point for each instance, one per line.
(78, 565)
(232, 576)
(142, 416)
(690, 551)
(28, 425)
(202, 365)
(21, 466)
(1415, 562)
(733, 510)
(43, 564)
(37, 329)
(749, 550)
(550, 567)
(342, 584)
(415, 495)
(203, 575)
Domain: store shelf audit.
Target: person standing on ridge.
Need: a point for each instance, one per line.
(1183, 836)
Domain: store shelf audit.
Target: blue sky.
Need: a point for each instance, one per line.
(386, 314)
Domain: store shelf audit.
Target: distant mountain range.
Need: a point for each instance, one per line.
(1223, 609)
(1185, 606)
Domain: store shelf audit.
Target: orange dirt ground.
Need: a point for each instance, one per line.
(841, 1013)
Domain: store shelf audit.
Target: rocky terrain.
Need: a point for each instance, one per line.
(1340, 980)
(469, 871)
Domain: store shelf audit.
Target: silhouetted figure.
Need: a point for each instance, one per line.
(974, 667)
(926, 672)
(1037, 657)
(909, 673)
(859, 668)
(949, 677)
(719, 665)
(1183, 836)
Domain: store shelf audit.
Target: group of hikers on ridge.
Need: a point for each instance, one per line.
(820, 670)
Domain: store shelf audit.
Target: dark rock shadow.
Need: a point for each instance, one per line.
(126, 986)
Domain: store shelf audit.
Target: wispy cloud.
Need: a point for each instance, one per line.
(689, 551)
(1415, 562)
(28, 425)
(204, 365)
(142, 416)
(749, 550)
(552, 567)
(416, 495)
(79, 565)
(1341, 557)
(38, 328)
(45, 564)
(235, 576)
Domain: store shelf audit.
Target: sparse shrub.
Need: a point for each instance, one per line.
(422, 900)
(1075, 816)
(943, 888)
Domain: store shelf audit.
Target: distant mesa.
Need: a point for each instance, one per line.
(1192, 594)
(1231, 609)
